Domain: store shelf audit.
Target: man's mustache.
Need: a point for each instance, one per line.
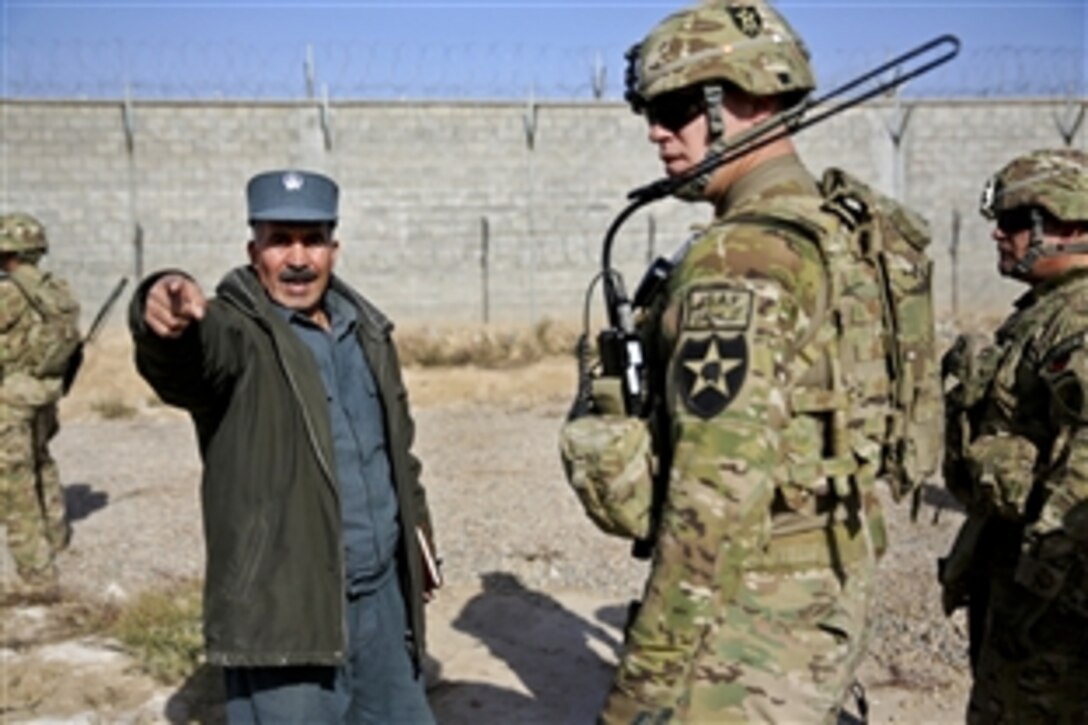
(291, 276)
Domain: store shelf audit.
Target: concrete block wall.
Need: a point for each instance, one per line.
(418, 179)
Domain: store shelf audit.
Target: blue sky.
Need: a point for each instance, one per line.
(492, 49)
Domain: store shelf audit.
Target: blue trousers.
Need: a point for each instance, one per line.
(377, 683)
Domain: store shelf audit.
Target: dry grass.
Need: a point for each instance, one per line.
(161, 629)
(113, 409)
(485, 347)
(108, 385)
(442, 365)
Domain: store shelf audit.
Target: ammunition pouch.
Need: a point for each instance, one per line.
(1002, 470)
(836, 545)
(967, 373)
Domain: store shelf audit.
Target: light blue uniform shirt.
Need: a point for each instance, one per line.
(368, 502)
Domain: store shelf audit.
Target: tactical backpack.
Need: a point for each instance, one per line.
(55, 346)
(881, 389)
(889, 242)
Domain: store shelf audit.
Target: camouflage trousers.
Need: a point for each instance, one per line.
(31, 495)
(784, 649)
(1033, 663)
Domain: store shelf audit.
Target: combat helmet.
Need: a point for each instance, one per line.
(744, 43)
(1054, 181)
(22, 234)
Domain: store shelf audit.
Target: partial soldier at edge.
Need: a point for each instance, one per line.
(1017, 454)
(40, 345)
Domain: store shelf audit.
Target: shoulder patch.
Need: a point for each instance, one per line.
(1057, 358)
(718, 308)
(711, 371)
(1065, 378)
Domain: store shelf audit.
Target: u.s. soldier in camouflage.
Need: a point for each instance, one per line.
(1017, 455)
(38, 336)
(757, 606)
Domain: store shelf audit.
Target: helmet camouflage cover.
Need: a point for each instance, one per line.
(1054, 180)
(744, 42)
(21, 232)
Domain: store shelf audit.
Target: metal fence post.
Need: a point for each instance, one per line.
(529, 123)
(326, 117)
(308, 70)
(485, 252)
(1068, 120)
(651, 238)
(128, 120)
(597, 80)
(954, 253)
(896, 126)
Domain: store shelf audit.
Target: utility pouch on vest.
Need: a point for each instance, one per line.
(609, 464)
(967, 371)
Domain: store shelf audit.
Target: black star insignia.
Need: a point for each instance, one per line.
(711, 373)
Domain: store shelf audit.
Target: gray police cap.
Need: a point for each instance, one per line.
(292, 196)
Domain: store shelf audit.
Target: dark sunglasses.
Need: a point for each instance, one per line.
(673, 111)
(1015, 220)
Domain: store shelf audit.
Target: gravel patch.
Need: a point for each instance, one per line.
(501, 506)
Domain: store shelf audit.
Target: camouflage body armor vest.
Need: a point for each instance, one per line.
(986, 467)
(1002, 428)
(982, 378)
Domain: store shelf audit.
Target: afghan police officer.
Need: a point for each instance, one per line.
(1017, 454)
(39, 341)
(315, 518)
(766, 431)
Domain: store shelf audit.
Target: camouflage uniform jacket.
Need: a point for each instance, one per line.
(1023, 450)
(738, 342)
(38, 317)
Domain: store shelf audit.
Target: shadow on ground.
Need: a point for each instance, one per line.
(200, 699)
(506, 654)
(558, 662)
(81, 500)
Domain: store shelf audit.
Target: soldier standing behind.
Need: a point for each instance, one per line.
(39, 335)
(769, 410)
(1017, 455)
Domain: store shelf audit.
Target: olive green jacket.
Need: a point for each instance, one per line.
(274, 582)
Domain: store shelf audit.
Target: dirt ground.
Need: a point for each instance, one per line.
(527, 629)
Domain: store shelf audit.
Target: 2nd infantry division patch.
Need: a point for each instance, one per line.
(711, 371)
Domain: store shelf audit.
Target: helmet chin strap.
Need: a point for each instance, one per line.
(695, 188)
(1037, 249)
